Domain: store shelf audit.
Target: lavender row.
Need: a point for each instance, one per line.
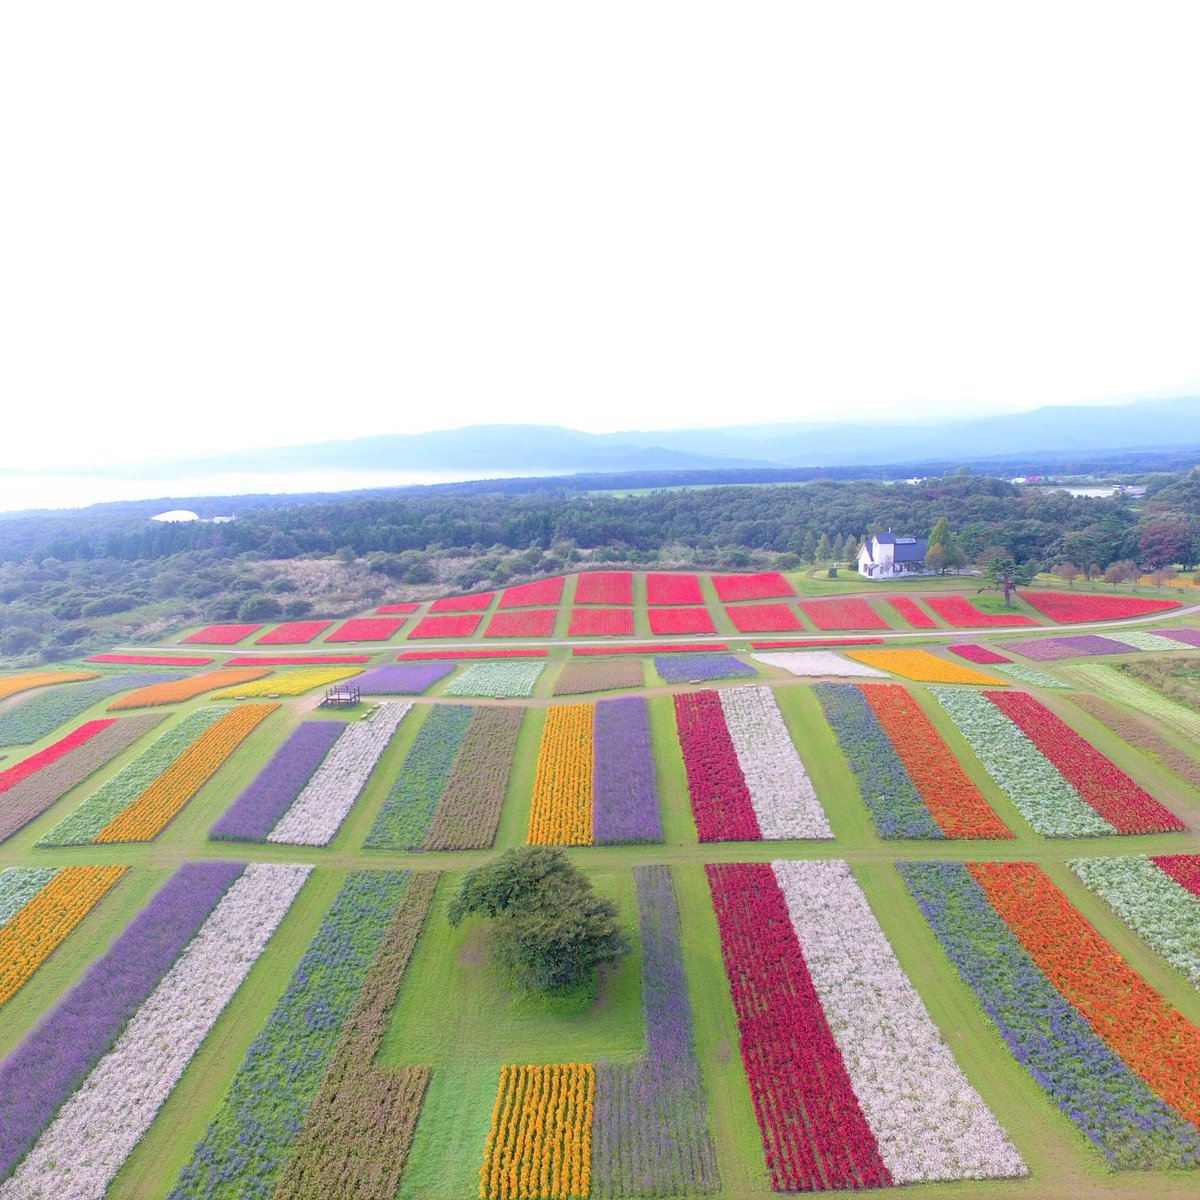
(403, 679)
(683, 668)
(624, 791)
(1049, 649)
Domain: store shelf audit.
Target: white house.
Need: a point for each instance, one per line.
(886, 555)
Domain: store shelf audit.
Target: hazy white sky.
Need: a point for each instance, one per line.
(245, 223)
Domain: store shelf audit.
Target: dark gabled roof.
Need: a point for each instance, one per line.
(907, 549)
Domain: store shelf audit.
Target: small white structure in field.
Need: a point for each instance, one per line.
(886, 555)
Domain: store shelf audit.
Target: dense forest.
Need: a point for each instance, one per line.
(70, 582)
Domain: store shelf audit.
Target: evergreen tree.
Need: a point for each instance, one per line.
(824, 550)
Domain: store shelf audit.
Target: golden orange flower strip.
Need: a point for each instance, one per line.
(40, 926)
(540, 1144)
(185, 689)
(32, 679)
(146, 817)
(922, 666)
(1132, 1019)
(561, 811)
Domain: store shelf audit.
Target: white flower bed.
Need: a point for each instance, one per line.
(930, 1123)
(1029, 675)
(96, 1130)
(496, 679)
(781, 792)
(318, 812)
(19, 885)
(817, 662)
(1046, 800)
(1140, 640)
(1152, 904)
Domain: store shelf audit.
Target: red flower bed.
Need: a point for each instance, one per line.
(802, 643)
(491, 652)
(449, 625)
(662, 588)
(1068, 608)
(814, 1134)
(751, 587)
(530, 595)
(366, 629)
(674, 648)
(1102, 784)
(908, 608)
(292, 633)
(531, 622)
(221, 635)
(600, 622)
(842, 614)
(410, 606)
(604, 587)
(294, 660)
(763, 618)
(1183, 868)
(681, 620)
(43, 758)
(475, 603)
(716, 786)
(149, 660)
(962, 614)
(977, 654)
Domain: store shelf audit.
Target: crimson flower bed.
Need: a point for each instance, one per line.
(751, 587)
(530, 622)
(842, 614)
(717, 788)
(912, 612)
(366, 629)
(604, 587)
(600, 622)
(962, 614)
(409, 606)
(1068, 608)
(448, 625)
(221, 635)
(490, 652)
(657, 648)
(294, 660)
(977, 654)
(292, 633)
(663, 588)
(763, 618)
(680, 620)
(475, 603)
(149, 660)
(530, 595)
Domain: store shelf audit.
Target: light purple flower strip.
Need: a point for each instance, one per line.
(257, 810)
(1189, 637)
(403, 679)
(1048, 649)
(50, 1063)
(624, 791)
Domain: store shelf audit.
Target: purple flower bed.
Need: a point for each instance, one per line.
(650, 1128)
(52, 1060)
(403, 679)
(624, 791)
(1189, 637)
(1047, 649)
(682, 668)
(270, 793)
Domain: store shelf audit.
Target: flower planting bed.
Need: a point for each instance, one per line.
(507, 679)
(604, 587)
(1119, 686)
(817, 662)
(561, 807)
(1141, 735)
(409, 606)
(751, 587)
(668, 621)
(851, 1083)
(1069, 608)
(150, 660)
(290, 683)
(530, 622)
(32, 718)
(13, 684)
(921, 666)
(1031, 676)
(717, 788)
(1189, 637)
(221, 635)
(451, 604)
(1085, 1028)
(978, 654)
(1082, 644)
(1140, 640)
(484, 652)
(325, 801)
(530, 595)
(962, 614)
(403, 679)
(763, 618)
(294, 660)
(449, 625)
(842, 614)
(600, 622)
(366, 629)
(912, 612)
(664, 588)
(577, 678)
(176, 690)
(782, 643)
(697, 667)
(653, 648)
(292, 633)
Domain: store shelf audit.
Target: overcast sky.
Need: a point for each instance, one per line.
(235, 224)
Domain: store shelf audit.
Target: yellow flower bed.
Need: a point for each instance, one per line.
(185, 689)
(291, 683)
(540, 1144)
(40, 926)
(922, 666)
(32, 679)
(147, 816)
(561, 811)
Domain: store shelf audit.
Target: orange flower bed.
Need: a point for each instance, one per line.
(32, 679)
(157, 806)
(1132, 1019)
(921, 666)
(954, 802)
(539, 1146)
(40, 926)
(561, 811)
(185, 689)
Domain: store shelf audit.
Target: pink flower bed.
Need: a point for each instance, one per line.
(604, 587)
(962, 614)
(912, 612)
(842, 614)
(448, 625)
(221, 635)
(662, 588)
(292, 633)
(530, 622)
(680, 620)
(409, 606)
(1068, 608)
(366, 629)
(530, 595)
(751, 587)
(600, 622)
(475, 603)
(657, 648)
(763, 618)
(978, 654)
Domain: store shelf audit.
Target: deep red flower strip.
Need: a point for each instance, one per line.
(674, 648)
(912, 612)
(962, 614)
(842, 614)
(294, 660)
(490, 652)
(43, 758)
(1068, 608)
(716, 786)
(777, 645)
(149, 660)
(977, 654)
(1183, 868)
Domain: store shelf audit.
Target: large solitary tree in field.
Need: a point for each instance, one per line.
(1007, 575)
